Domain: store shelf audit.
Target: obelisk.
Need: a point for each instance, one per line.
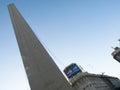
(41, 70)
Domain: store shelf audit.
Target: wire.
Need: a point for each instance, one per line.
(55, 58)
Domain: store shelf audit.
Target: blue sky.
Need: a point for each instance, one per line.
(80, 31)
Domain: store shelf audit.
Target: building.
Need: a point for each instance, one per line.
(116, 54)
(86, 81)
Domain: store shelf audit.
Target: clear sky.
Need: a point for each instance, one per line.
(73, 31)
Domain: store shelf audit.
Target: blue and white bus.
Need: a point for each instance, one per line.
(72, 70)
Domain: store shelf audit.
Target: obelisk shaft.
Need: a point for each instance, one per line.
(42, 72)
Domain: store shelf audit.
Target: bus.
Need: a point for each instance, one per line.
(72, 70)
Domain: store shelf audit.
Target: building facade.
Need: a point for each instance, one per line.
(87, 81)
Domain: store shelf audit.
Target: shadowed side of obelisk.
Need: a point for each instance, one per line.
(42, 72)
